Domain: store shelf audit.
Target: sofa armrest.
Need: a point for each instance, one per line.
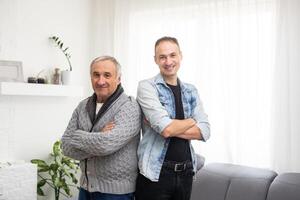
(285, 186)
(200, 162)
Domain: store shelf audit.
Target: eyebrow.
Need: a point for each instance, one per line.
(103, 73)
(172, 53)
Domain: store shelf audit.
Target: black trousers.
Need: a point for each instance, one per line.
(173, 184)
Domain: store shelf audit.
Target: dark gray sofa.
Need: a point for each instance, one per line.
(220, 181)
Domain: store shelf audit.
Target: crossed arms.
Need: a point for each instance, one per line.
(80, 144)
(195, 126)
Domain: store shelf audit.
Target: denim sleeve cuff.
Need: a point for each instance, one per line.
(161, 125)
(205, 131)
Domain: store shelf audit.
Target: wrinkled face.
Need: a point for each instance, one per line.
(168, 58)
(105, 79)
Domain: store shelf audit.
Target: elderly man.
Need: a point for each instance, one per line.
(103, 134)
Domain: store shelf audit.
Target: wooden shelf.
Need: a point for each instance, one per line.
(35, 89)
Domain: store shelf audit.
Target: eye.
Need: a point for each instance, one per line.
(162, 57)
(107, 75)
(96, 75)
(173, 55)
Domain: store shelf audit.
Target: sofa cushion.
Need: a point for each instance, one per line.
(219, 181)
(285, 186)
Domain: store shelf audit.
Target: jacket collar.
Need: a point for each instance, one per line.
(158, 79)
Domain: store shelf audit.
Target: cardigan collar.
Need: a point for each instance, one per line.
(92, 101)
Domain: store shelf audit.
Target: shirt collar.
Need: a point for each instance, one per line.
(158, 79)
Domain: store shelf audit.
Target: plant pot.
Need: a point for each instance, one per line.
(66, 77)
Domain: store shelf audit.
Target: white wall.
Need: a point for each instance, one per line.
(30, 125)
(103, 33)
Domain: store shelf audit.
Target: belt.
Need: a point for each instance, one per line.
(178, 166)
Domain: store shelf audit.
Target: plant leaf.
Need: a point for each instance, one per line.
(74, 179)
(66, 188)
(58, 183)
(40, 192)
(60, 170)
(43, 169)
(41, 183)
(56, 148)
(54, 167)
(39, 162)
(66, 172)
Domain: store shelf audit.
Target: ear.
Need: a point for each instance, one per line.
(154, 57)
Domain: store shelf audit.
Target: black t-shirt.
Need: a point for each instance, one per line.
(178, 149)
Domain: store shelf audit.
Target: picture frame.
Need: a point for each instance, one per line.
(11, 71)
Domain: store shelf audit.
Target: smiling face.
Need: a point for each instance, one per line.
(105, 79)
(168, 58)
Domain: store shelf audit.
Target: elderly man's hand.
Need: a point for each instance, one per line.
(108, 127)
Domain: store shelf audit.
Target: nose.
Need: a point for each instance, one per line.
(101, 80)
(168, 60)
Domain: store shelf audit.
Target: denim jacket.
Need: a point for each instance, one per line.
(158, 105)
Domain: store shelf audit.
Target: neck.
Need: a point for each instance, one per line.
(171, 80)
(100, 100)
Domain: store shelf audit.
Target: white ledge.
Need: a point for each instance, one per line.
(35, 89)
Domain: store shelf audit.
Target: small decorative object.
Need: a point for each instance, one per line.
(38, 79)
(41, 80)
(66, 77)
(41, 77)
(56, 76)
(31, 79)
(11, 71)
(59, 174)
(65, 74)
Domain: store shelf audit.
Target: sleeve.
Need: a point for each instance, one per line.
(200, 116)
(127, 127)
(67, 146)
(155, 113)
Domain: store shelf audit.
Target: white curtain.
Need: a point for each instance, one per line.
(285, 118)
(242, 57)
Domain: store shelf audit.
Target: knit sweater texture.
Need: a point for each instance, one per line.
(110, 157)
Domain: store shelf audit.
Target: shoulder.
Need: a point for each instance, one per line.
(128, 100)
(130, 104)
(150, 85)
(133, 102)
(82, 103)
(147, 82)
(188, 87)
(146, 88)
(158, 79)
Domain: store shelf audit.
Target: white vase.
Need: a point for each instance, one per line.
(66, 77)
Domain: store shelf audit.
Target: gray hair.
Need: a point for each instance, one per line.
(110, 58)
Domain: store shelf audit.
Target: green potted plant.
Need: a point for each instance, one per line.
(65, 74)
(59, 43)
(59, 173)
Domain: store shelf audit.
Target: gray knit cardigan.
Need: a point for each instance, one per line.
(110, 157)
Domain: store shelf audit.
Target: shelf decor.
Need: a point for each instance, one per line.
(65, 74)
(11, 71)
